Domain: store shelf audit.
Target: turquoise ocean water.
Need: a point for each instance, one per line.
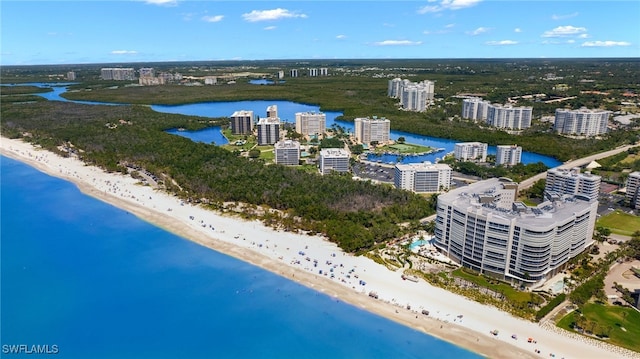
(93, 281)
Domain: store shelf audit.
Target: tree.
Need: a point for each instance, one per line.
(401, 139)
(254, 153)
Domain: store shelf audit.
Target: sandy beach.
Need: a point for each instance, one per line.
(321, 265)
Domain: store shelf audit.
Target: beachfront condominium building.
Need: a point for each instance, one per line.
(508, 155)
(287, 152)
(272, 111)
(482, 227)
(268, 131)
(368, 130)
(242, 122)
(293, 72)
(467, 151)
(334, 160)
(311, 123)
(413, 96)
(582, 122)
(71, 76)
(509, 117)
(422, 177)
(324, 71)
(475, 108)
(571, 181)
(633, 190)
(119, 74)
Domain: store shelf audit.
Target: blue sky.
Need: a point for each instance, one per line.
(70, 32)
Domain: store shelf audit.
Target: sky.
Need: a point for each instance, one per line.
(124, 31)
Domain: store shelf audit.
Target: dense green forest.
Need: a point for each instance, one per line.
(355, 214)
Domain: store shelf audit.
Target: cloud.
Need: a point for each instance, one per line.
(562, 17)
(341, 37)
(502, 43)
(162, 2)
(517, 29)
(397, 43)
(214, 18)
(275, 14)
(448, 5)
(269, 28)
(478, 31)
(124, 52)
(605, 43)
(563, 31)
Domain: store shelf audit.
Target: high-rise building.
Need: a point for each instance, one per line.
(119, 74)
(413, 96)
(508, 155)
(242, 122)
(482, 227)
(509, 117)
(312, 72)
(565, 181)
(311, 123)
(71, 76)
(582, 122)
(368, 130)
(633, 190)
(147, 72)
(475, 108)
(287, 152)
(293, 72)
(334, 159)
(268, 131)
(272, 111)
(466, 151)
(324, 71)
(422, 177)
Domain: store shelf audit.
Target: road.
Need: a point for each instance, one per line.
(575, 163)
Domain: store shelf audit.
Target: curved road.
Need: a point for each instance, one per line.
(575, 163)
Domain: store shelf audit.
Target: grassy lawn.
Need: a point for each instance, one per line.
(404, 148)
(231, 146)
(512, 294)
(267, 153)
(609, 319)
(620, 223)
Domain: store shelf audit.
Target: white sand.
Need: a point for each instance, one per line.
(279, 252)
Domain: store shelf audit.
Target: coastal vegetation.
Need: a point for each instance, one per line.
(354, 214)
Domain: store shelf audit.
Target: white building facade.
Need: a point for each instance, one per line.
(368, 130)
(268, 130)
(287, 152)
(509, 117)
(311, 123)
(118, 73)
(467, 151)
(507, 155)
(481, 227)
(633, 190)
(422, 177)
(582, 122)
(413, 96)
(573, 182)
(475, 109)
(334, 159)
(242, 122)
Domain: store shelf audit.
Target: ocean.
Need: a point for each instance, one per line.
(87, 280)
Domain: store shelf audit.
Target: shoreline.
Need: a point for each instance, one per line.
(451, 318)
